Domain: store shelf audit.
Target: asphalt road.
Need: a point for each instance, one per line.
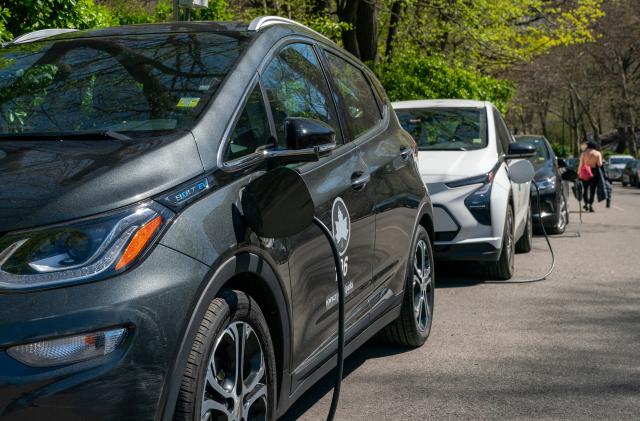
(565, 348)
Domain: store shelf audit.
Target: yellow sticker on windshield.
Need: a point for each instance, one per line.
(188, 102)
(477, 141)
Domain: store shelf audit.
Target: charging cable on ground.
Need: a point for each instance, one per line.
(341, 297)
(546, 237)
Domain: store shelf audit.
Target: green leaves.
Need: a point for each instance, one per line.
(21, 16)
(419, 77)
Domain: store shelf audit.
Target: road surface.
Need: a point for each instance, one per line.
(565, 348)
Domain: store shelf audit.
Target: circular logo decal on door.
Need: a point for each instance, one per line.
(341, 224)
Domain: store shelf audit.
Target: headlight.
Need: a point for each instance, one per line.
(546, 185)
(78, 251)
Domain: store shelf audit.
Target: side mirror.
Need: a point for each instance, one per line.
(521, 151)
(562, 163)
(278, 204)
(306, 139)
(521, 172)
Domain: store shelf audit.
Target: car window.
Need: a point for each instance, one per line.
(252, 128)
(296, 87)
(138, 84)
(446, 129)
(542, 153)
(357, 95)
(503, 134)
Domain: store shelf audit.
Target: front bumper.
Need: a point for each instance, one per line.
(152, 301)
(548, 210)
(458, 234)
(480, 251)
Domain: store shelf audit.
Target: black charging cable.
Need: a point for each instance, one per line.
(341, 297)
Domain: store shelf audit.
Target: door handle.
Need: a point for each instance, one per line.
(405, 153)
(359, 180)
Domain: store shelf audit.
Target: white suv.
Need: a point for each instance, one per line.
(465, 153)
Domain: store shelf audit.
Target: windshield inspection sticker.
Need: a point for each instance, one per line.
(341, 230)
(188, 102)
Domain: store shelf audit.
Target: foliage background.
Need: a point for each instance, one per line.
(474, 49)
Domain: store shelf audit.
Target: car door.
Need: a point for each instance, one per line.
(395, 188)
(296, 86)
(520, 192)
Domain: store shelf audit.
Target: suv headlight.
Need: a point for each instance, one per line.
(87, 249)
(546, 185)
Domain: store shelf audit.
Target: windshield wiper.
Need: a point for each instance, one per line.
(88, 135)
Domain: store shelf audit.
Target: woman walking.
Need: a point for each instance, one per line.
(589, 172)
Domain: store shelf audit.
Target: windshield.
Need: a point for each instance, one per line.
(458, 129)
(143, 84)
(542, 154)
(619, 161)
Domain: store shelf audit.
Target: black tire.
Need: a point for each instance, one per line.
(525, 243)
(231, 315)
(411, 329)
(562, 218)
(503, 269)
(624, 184)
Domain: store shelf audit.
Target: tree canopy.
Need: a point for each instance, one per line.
(419, 48)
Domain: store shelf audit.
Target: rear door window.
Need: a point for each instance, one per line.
(357, 95)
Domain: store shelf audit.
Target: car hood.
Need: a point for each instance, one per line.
(444, 166)
(45, 182)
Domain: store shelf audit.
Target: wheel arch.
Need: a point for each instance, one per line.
(253, 274)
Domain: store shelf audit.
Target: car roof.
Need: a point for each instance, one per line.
(434, 103)
(621, 156)
(138, 29)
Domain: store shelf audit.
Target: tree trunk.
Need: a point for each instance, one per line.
(347, 11)
(633, 147)
(367, 30)
(396, 12)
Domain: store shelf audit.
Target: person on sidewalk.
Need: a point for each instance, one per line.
(590, 173)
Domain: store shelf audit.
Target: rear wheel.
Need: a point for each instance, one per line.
(413, 326)
(503, 269)
(230, 374)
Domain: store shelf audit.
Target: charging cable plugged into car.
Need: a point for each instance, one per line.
(265, 200)
(522, 172)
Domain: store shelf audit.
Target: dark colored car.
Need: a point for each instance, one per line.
(553, 210)
(631, 174)
(131, 286)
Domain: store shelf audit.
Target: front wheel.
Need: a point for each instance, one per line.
(525, 243)
(505, 266)
(230, 374)
(413, 326)
(562, 217)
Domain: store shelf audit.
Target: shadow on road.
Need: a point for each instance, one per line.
(371, 350)
(450, 275)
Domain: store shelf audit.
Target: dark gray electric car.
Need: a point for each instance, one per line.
(131, 286)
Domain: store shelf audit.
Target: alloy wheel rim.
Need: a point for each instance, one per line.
(510, 242)
(236, 381)
(422, 286)
(562, 220)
